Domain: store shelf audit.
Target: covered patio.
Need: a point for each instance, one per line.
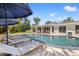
(43, 29)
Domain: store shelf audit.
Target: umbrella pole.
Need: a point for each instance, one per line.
(7, 31)
(6, 25)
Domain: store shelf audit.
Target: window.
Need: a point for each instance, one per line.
(77, 29)
(62, 29)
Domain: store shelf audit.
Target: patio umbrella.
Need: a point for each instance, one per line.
(9, 22)
(13, 11)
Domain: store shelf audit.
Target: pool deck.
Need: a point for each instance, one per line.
(56, 50)
(53, 51)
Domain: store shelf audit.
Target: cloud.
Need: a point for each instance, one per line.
(52, 14)
(70, 8)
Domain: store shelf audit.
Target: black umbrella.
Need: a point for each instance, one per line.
(12, 11)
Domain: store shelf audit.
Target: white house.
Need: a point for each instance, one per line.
(71, 28)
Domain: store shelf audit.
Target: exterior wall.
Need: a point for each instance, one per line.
(56, 29)
(70, 27)
(32, 30)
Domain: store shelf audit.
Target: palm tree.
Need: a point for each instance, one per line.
(68, 20)
(36, 20)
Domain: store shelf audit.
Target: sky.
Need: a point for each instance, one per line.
(54, 11)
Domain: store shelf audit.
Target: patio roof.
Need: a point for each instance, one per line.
(59, 24)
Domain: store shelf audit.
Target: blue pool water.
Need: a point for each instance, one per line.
(57, 40)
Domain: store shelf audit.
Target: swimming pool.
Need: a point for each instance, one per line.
(57, 40)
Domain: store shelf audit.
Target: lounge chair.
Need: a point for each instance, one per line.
(30, 47)
(9, 49)
(19, 51)
(17, 40)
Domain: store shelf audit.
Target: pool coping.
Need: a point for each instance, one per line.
(55, 34)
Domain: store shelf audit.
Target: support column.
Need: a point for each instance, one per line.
(50, 29)
(36, 30)
(46, 30)
(56, 29)
(41, 30)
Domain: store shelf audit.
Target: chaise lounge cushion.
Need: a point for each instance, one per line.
(29, 47)
(9, 49)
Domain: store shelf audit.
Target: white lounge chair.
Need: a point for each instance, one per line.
(30, 47)
(9, 49)
(18, 51)
(18, 40)
(15, 41)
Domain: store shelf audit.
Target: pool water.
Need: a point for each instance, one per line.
(57, 40)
